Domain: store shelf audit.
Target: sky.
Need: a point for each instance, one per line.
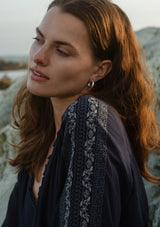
(19, 18)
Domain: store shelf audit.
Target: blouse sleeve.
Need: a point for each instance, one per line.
(103, 186)
(124, 200)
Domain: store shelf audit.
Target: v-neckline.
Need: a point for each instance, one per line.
(34, 199)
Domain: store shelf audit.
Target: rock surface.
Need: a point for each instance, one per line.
(6, 100)
(7, 175)
(150, 40)
(5, 82)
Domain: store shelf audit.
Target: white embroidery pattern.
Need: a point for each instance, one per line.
(72, 117)
(89, 160)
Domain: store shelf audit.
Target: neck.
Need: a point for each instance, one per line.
(59, 106)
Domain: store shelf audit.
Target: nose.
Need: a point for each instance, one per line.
(40, 57)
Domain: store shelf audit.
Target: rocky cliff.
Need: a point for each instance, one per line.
(150, 39)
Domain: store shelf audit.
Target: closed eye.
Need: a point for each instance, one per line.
(37, 39)
(61, 52)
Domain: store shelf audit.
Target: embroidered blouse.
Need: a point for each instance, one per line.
(91, 178)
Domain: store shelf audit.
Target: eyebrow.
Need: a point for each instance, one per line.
(38, 31)
(58, 42)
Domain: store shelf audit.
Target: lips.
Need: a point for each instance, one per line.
(39, 73)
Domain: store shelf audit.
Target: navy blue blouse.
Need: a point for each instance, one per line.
(91, 178)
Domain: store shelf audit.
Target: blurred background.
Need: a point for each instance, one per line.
(18, 20)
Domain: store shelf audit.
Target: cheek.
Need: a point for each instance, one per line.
(70, 77)
(74, 72)
(61, 72)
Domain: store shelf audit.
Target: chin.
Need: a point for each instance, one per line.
(35, 91)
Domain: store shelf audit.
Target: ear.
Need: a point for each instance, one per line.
(103, 68)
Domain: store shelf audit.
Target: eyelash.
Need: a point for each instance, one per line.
(37, 39)
(62, 52)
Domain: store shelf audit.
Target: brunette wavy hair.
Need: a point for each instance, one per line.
(128, 88)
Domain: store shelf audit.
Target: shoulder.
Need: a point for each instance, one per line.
(89, 115)
(88, 105)
(89, 108)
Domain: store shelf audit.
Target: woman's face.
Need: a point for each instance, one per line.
(61, 61)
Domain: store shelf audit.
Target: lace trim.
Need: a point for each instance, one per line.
(89, 160)
(72, 125)
(101, 156)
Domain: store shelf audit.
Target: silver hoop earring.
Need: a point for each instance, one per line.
(91, 84)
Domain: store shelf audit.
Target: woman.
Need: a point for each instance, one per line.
(86, 120)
